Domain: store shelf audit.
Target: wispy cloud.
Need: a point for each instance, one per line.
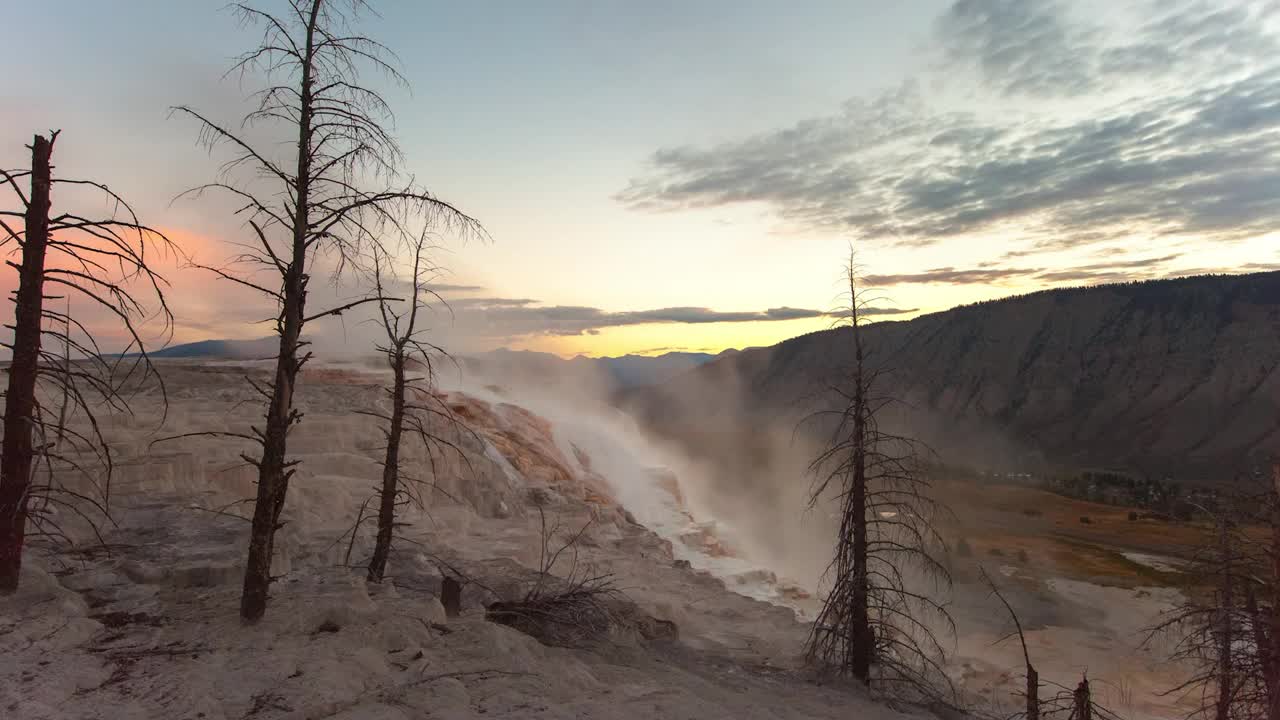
(1021, 46)
(1198, 155)
(507, 318)
(950, 276)
(1049, 48)
(1124, 270)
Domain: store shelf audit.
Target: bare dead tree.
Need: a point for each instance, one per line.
(1082, 701)
(1215, 629)
(1031, 692)
(1226, 626)
(337, 193)
(578, 606)
(105, 261)
(415, 405)
(1068, 703)
(1076, 703)
(873, 617)
(1268, 633)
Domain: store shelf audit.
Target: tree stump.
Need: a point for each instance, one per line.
(451, 596)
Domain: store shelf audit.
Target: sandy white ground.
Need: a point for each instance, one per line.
(151, 629)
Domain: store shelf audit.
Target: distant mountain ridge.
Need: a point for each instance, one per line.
(626, 371)
(1178, 377)
(258, 349)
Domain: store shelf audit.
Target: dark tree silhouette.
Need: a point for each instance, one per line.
(578, 606)
(1267, 621)
(415, 406)
(313, 206)
(1031, 691)
(1072, 704)
(872, 617)
(103, 261)
(1217, 629)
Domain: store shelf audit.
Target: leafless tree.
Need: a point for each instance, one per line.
(415, 405)
(578, 606)
(873, 617)
(1267, 620)
(104, 261)
(338, 192)
(1068, 703)
(1031, 693)
(1216, 629)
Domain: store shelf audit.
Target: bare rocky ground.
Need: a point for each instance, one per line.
(148, 627)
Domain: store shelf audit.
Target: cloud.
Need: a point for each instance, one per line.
(876, 311)
(1182, 36)
(1199, 157)
(1020, 46)
(448, 288)
(507, 318)
(950, 276)
(489, 302)
(1116, 271)
(1039, 48)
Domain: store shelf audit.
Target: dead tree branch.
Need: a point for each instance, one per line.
(336, 196)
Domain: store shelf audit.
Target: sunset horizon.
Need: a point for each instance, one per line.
(965, 153)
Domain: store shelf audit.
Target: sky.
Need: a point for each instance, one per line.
(663, 175)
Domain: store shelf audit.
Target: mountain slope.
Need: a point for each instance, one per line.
(222, 349)
(1175, 377)
(604, 373)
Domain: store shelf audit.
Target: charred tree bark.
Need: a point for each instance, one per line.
(1271, 651)
(1033, 693)
(101, 260)
(274, 469)
(843, 634)
(1221, 632)
(1261, 640)
(20, 399)
(1226, 627)
(862, 640)
(390, 472)
(273, 472)
(416, 409)
(451, 596)
(1082, 702)
(1032, 711)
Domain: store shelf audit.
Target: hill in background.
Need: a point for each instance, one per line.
(1168, 377)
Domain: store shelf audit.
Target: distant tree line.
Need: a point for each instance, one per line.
(1161, 496)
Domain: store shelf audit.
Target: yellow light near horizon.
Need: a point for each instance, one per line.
(659, 338)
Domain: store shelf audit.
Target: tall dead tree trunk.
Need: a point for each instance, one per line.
(1271, 651)
(870, 618)
(861, 647)
(273, 468)
(390, 473)
(1221, 633)
(1226, 627)
(416, 409)
(316, 211)
(102, 260)
(1032, 689)
(20, 399)
(1258, 626)
(1082, 701)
